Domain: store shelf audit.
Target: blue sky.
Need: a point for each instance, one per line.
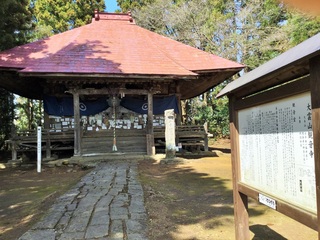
(111, 5)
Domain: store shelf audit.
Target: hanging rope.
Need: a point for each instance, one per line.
(114, 147)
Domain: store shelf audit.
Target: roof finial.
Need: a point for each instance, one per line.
(130, 19)
(96, 15)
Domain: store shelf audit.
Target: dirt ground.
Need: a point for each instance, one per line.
(191, 200)
(26, 195)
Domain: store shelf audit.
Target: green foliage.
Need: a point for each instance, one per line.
(55, 16)
(219, 122)
(29, 113)
(15, 23)
(84, 10)
(207, 109)
(131, 5)
(6, 116)
(128, 5)
(300, 27)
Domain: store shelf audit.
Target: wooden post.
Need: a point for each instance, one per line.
(315, 102)
(14, 153)
(150, 135)
(206, 138)
(178, 96)
(46, 130)
(240, 201)
(77, 127)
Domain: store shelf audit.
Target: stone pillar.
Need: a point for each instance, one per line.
(170, 133)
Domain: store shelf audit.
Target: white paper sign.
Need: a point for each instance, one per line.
(267, 201)
(276, 150)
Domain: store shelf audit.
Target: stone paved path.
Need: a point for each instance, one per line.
(107, 204)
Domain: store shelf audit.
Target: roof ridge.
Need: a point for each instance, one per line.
(112, 16)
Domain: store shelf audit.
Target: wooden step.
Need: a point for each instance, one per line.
(126, 141)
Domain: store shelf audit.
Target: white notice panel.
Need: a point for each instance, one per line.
(276, 150)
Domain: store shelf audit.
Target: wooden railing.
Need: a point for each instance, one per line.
(26, 141)
(189, 136)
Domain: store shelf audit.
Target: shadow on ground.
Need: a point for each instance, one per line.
(25, 195)
(262, 232)
(189, 201)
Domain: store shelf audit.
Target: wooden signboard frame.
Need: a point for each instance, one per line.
(241, 191)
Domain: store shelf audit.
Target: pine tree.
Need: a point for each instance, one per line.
(300, 27)
(15, 23)
(84, 10)
(129, 5)
(58, 16)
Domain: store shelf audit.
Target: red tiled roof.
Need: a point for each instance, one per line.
(112, 44)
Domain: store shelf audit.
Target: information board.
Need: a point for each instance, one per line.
(276, 150)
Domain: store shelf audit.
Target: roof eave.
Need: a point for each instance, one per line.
(108, 75)
(234, 69)
(236, 86)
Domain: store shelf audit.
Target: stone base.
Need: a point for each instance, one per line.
(13, 163)
(174, 160)
(170, 153)
(52, 158)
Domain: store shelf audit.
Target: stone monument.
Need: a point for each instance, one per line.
(170, 133)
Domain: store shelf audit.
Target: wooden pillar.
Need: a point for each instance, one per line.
(77, 127)
(315, 102)
(13, 143)
(46, 131)
(150, 135)
(178, 95)
(240, 200)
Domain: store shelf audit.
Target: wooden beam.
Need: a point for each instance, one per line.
(105, 91)
(108, 75)
(106, 81)
(273, 79)
(315, 102)
(298, 214)
(280, 92)
(240, 200)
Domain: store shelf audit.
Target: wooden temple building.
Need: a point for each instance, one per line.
(110, 77)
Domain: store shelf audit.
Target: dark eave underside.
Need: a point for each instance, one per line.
(291, 72)
(31, 86)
